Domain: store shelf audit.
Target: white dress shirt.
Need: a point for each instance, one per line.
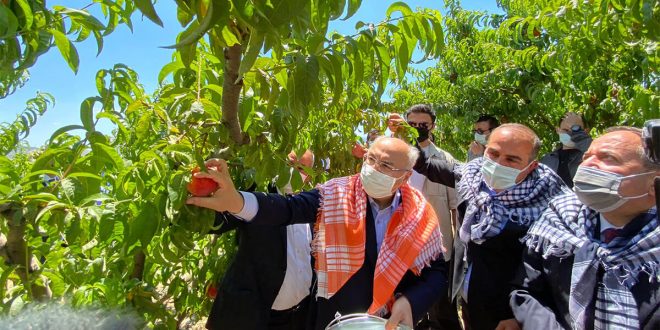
(298, 276)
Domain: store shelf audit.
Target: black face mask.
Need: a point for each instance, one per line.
(422, 134)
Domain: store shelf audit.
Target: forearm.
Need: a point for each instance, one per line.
(278, 210)
(436, 170)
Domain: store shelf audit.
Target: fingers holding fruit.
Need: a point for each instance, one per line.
(214, 189)
(394, 121)
(201, 186)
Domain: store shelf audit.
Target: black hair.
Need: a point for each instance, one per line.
(492, 121)
(421, 108)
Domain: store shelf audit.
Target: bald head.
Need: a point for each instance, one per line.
(398, 150)
(520, 135)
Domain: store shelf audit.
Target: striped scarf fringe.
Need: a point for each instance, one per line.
(486, 215)
(412, 241)
(569, 228)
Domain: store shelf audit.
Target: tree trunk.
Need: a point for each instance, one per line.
(15, 252)
(138, 265)
(231, 92)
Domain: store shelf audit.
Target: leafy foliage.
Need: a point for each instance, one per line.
(101, 218)
(539, 60)
(28, 29)
(11, 134)
(103, 215)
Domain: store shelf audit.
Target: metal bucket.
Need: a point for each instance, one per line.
(360, 322)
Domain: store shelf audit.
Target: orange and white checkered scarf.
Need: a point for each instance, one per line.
(412, 240)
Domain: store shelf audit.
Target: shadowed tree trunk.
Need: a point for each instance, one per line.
(231, 92)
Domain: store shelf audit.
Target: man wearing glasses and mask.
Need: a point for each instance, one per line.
(574, 141)
(484, 125)
(443, 199)
(377, 242)
(499, 196)
(593, 257)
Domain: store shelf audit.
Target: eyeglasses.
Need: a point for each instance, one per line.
(480, 131)
(371, 161)
(425, 125)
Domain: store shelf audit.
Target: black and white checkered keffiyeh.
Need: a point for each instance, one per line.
(487, 214)
(569, 228)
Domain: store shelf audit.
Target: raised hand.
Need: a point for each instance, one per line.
(226, 197)
(394, 121)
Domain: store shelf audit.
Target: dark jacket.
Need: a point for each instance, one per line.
(541, 301)
(573, 159)
(356, 295)
(494, 262)
(252, 281)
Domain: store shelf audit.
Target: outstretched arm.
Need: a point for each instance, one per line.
(437, 170)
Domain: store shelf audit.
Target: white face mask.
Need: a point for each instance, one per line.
(480, 138)
(376, 184)
(565, 139)
(599, 190)
(499, 176)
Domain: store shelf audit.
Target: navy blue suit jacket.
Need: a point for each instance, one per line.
(356, 295)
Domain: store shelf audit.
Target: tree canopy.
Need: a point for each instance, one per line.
(99, 218)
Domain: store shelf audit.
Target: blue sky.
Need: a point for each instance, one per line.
(140, 50)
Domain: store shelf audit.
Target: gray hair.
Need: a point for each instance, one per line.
(62, 317)
(413, 152)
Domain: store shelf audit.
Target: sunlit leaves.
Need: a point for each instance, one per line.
(541, 59)
(12, 133)
(147, 8)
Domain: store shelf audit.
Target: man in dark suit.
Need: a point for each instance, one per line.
(500, 195)
(377, 245)
(267, 285)
(592, 259)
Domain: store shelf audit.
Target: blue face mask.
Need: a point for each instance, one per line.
(565, 139)
(498, 176)
(480, 138)
(599, 189)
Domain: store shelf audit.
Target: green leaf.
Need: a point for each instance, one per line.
(176, 189)
(54, 205)
(87, 113)
(8, 22)
(43, 162)
(27, 13)
(168, 69)
(398, 6)
(83, 175)
(82, 17)
(147, 8)
(253, 49)
(66, 48)
(142, 128)
(216, 14)
(109, 155)
(353, 6)
(95, 198)
(229, 37)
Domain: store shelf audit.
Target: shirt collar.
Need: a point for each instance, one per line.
(395, 202)
(631, 228)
